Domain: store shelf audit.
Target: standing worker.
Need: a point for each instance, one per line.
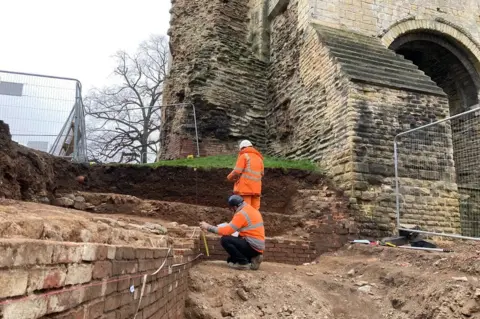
(246, 250)
(247, 174)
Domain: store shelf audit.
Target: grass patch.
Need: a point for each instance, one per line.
(228, 161)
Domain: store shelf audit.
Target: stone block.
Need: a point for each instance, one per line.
(102, 269)
(33, 253)
(65, 300)
(95, 309)
(46, 278)
(67, 253)
(13, 283)
(111, 252)
(78, 274)
(89, 252)
(124, 267)
(30, 308)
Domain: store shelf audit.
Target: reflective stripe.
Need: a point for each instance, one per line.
(238, 169)
(248, 169)
(256, 243)
(256, 179)
(233, 226)
(244, 213)
(250, 227)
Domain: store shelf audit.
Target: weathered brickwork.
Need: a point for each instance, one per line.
(341, 78)
(70, 280)
(277, 250)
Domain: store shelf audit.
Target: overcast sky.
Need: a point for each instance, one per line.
(75, 38)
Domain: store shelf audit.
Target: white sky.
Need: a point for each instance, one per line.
(75, 38)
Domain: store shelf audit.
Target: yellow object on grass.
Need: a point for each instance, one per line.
(190, 157)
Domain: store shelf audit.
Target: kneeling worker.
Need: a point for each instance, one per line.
(248, 174)
(245, 251)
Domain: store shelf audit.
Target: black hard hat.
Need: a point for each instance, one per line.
(235, 200)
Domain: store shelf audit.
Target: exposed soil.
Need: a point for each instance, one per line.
(191, 215)
(27, 174)
(190, 186)
(30, 175)
(361, 282)
(45, 222)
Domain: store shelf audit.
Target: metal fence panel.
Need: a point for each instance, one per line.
(43, 111)
(438, 177)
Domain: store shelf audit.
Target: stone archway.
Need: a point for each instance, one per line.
(450, 58)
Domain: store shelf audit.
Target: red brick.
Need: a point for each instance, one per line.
(144, 265)
(124, 267)
(124, 285)
(102, 252)
(95, 310)
(102, 269)
(78, 274)
(113, 302)
(73, 314)
(93, 292)
(161, 253)
(64, 301)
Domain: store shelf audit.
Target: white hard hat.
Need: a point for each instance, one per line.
(245, 143)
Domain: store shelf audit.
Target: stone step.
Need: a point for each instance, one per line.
(385, 56)
(361, 76)
(371, 71)
(362, 48)
(355, 60)
(347, 35)
(354, 57)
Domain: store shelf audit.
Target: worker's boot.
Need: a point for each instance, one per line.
(241, 267)
(256, 261)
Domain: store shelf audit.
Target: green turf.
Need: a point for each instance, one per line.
(228, 161)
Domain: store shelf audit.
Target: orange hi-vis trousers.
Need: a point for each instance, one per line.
(252, 200)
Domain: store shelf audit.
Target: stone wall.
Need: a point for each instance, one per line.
(426, 166)
(307, 96)
(335, 93)
(373, 17)
(42, 279)
(214, 67)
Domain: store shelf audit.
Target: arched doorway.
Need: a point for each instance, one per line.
(452, 67)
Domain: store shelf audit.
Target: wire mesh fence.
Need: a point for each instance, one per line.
(437, 177)
(42, 112)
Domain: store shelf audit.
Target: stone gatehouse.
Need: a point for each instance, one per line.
(333, 81)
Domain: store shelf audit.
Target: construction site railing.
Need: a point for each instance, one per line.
(437, 177)
(44, 112)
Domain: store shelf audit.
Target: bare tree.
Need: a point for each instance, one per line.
(124, 123)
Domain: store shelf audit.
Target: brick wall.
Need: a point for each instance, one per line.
(277, 250)
(41, 279)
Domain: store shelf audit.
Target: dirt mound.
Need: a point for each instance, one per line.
(44, 222)
(206, 187)
(355, 283)
(191, 215)
(30, 175)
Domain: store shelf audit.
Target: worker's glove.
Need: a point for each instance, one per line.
(204, 225)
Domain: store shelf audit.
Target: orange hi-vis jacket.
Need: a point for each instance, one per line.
(250, 168)
(249, 223)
